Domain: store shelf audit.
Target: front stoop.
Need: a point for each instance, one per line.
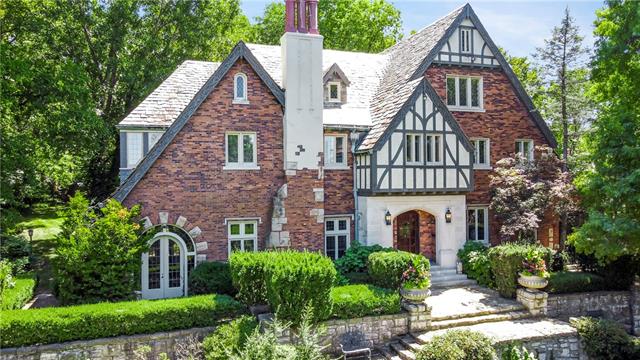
(447, 278)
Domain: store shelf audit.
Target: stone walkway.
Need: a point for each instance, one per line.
(461, 302)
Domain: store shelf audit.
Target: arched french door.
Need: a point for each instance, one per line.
(164, 267)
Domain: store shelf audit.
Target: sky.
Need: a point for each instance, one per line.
(519, 26)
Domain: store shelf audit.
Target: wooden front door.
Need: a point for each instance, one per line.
(407, 232)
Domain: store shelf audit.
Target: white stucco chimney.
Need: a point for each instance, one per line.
(301, 47)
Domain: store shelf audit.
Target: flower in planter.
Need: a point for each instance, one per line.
(534, 265)
(417, 275)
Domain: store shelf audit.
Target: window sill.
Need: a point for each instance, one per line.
(240, 102)
(466, 109)
(482, 167)
(337, 167)
(231, 168)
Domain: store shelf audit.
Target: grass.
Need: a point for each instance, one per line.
(46, 223)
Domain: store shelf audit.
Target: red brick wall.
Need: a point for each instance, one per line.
(304, 230)
(338, 186)
(188, 180)
(427, 234)
(504, 120)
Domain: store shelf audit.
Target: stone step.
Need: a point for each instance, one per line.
(448, 277)
(402, 351)
(473, 320)
(452, 283)
(410, 343)
(503, 309)
(388, 352)
(441, 271)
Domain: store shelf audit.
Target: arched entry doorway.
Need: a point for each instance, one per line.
(166, 267)
(415, 231)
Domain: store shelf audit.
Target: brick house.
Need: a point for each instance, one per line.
(294, 146)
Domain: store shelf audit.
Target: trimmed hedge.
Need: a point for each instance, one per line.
(506, 264)
(20, 293)
(228, 338)
(356, 257)
(606, 339)
(458, 345)
(354, 301)
(288, 280)
(211, 277)
(84, 322)
(573, 282)
(386, 268)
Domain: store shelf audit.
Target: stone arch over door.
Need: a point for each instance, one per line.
(415, 231)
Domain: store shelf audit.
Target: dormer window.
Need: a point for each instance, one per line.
(334, 91)
(240, 89)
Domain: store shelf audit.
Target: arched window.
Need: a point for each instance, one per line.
(240, 88)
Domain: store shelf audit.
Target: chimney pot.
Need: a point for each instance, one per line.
(302, 16)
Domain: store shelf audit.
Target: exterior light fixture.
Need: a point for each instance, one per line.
(30, 232)
(447, 216)
(387, 218)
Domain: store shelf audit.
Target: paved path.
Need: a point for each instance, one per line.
(468, 301)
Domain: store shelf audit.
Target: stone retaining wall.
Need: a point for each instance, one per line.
(378, 329)
(122, 347)
(612, 305)
(552, 348)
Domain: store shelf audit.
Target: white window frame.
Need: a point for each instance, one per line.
(339, 86)
(242, 237)
(476, 153)
(432, 144)
(241, 164)
(468, 107)
(139, 135)
(244, 99)
(331, 155)
(414, 151)
(520, 148)
(475, 208)
(468, 41)
(335, 233)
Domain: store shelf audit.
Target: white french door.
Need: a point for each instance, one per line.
(163, 269)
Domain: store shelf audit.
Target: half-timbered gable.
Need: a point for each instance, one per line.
(466, 45)
(425, 151)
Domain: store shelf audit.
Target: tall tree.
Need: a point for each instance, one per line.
(71, 70)
(561, 56)
(529, 75)
(610, 187)
(355, 25)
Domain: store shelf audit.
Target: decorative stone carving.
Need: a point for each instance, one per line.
(164, 217)
(279, 238)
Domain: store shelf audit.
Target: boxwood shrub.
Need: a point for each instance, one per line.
(606, 339)
(356, 257)
(572, 282)
(354, 301)
(506, 264)
(21, 292)
(458, 345)
(286, 280)
(211, 277)
(83, 322)
(386, 268)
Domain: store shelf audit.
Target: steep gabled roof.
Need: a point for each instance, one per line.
(167, 101)
(397, 83)
(408, 61)
(240, 51)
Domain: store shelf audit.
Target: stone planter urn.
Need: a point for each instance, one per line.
(415, 296)
(532, 282)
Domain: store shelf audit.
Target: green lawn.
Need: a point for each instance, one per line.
(45, 222)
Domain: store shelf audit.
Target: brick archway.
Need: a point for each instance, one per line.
(420, 224)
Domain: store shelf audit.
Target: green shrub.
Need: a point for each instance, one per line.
(559, 261)
(358, 278)
(17, 250)
(516, 352)
(507, 262)
(98, 253)
(298, 279)
(458, 345)
(286, 280)
(619, 274)
(605, 339)
(228, 338)
(21, 292)
(83, 322)
(386, 268)
(571, 282)
(249, 275)
(211, 277)
(475, 262)
(354, 301)
(6, 276)
(356, 257)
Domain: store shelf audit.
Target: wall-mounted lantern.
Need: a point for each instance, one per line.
(387, 218)
(447, 216)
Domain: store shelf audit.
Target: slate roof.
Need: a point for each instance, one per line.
(397, 84)
(167, 101)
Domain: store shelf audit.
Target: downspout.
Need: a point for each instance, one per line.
(354, 137)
